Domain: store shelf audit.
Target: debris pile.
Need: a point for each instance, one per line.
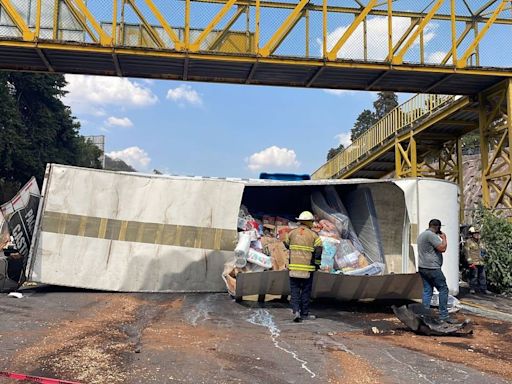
(260, 244)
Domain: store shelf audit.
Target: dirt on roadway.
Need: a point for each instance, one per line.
(97, 337)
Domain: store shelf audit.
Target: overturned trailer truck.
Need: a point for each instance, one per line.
(131, 232)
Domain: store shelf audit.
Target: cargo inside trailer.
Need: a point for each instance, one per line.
(388, 201)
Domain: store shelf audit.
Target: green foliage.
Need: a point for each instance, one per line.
(334, 151)
(36, 128)
(117, 165)
(497, 238)
(471, 143)
(364, 121)
(385, 103)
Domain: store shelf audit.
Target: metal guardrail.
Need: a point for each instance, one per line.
(403, 116)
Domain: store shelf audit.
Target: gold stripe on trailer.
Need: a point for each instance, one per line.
(139, 232)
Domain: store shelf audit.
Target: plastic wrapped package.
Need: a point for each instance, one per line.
(373, 269)
(363, 215)
(242, 249)
(251, 267)
(257, 245)
(348, 256)
(323, 211)
(330, 248)
(259, 258)
(333, 200)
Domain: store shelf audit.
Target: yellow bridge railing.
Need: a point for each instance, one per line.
(395, 122)
(444, 33)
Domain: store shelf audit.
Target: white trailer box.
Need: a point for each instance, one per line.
(131, 232)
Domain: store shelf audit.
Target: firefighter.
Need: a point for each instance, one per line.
(305, 255)
(473, 253)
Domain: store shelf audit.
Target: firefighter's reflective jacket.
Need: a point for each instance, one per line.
(305, 251)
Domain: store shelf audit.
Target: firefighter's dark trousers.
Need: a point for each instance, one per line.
(300, 294)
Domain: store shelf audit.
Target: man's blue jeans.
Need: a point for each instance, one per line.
(435, 278)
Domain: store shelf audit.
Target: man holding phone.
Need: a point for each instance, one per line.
(431, 245)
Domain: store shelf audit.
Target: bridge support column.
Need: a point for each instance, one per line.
(496, 145)
(406, 160)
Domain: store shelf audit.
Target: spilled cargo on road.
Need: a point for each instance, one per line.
(133, 232)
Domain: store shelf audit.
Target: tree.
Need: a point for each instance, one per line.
(117, 165)
(36, 128)
(385, 103)
(364, 121)
(497, 239)
(334, 151)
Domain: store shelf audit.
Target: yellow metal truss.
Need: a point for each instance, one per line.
(305, 22)
(496, 145)
(396, 129)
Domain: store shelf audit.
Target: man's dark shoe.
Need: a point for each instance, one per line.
(308, 317)
(297, 318)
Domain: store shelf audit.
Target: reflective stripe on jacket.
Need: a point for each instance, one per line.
(472, 252)
(302, 242)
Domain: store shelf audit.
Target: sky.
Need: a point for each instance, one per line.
(223, 130)
(207, 129)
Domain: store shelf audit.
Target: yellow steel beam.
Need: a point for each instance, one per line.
(460, 179)
(378, 11)
(501, 191)
(187, 24)
(399, 58)
(324, 28)
(104, 39)
(333, 53)
(211, 56)
(18, 20)
(484, 7)
(497, 152)
(390, 28)
(178, 45)
(149, 29)
(461, 38)
(283, 30)
(388, 146)
(509, 123)
(257, 27)
(484, 151)
(454, 31)
(38, 18)
(464, 58)
(220, 37)
(414, 24)
(196, 45)
(80, 18)
(414, 156)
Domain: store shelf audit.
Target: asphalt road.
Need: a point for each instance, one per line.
(98, 337)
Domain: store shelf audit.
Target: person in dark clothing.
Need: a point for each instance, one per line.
(474, 252)
(431, 245)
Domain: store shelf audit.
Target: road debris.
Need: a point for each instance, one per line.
(423, 321)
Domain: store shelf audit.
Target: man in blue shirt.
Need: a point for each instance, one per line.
(431, 245)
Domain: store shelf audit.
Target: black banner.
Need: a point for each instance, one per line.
(20, 214)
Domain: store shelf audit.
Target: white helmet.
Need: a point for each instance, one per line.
(473, 230)
(305, 216)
